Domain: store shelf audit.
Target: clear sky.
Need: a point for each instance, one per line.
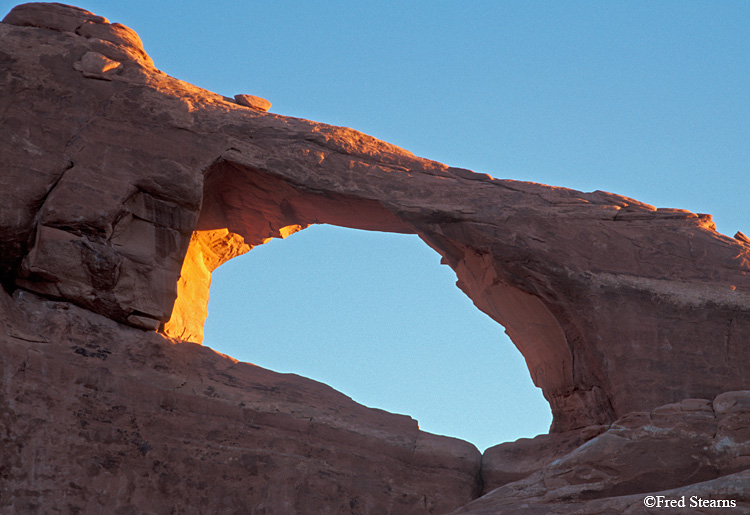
(646, 99)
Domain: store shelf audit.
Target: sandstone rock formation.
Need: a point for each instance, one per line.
(258, 103)
(693, 442)
(99, 417)
(124, 188)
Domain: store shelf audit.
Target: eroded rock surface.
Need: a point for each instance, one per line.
(697, 442)
(99, 417)
(122, 189)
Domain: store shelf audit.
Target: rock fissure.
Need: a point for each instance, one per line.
(51, 188)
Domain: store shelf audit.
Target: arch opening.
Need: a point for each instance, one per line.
(374, 316)
(245, 207)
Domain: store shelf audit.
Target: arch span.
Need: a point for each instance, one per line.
(617, 306)
(513, 268)
(244, 207)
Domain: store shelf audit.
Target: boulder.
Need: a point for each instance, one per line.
(261, 104)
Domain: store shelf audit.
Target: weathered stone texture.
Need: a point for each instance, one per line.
(124, 166)
(99, 417)
(700, 443)
(122, 189)
(258, 103)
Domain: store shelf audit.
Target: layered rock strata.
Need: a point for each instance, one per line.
(124, 188)
(696, 449)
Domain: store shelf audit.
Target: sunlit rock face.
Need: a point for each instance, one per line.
(124, 188)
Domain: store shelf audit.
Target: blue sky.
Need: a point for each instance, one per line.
(645, 99)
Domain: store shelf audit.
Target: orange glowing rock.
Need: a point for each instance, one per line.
(261, 104)
(207, 250)
(96, 65)
(130, 222)
(112, 219)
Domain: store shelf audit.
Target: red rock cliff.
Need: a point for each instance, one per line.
(124, 188)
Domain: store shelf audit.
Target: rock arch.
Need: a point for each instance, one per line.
(539, 306)
(617, 306)
(245, 207)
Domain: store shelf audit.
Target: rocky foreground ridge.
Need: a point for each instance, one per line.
(122, 189)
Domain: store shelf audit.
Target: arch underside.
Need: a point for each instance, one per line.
(568, 277)
(617, 306)
(244, 207)
(121, 180)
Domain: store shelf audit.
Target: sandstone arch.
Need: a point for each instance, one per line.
(120, 192)
(243, 208)
(110, 168)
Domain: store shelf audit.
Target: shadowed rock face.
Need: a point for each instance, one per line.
(702, 444)
(124, 188)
